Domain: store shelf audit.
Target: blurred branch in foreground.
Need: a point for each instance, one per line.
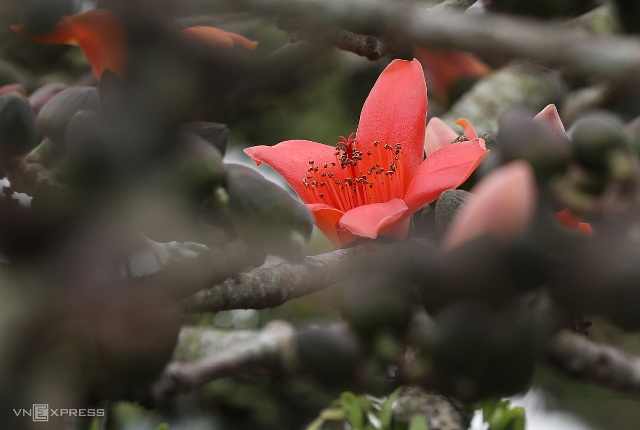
(548, 44)
(600, 364)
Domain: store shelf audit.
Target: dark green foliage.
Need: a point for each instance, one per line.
(480, 351)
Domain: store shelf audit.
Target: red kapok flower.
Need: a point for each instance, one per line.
(100, 35)
(369, 185)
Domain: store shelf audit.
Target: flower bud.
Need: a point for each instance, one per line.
(17, 127)
(55, 116)
(42, 95)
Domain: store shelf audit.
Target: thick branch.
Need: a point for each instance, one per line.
(586, 360)
(549, 44)
(270, 347)
(270, 287)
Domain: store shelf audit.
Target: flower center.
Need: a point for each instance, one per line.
(357, 178)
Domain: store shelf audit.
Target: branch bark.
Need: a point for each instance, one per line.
(271, 347)
(589, 361)
(549, 44)
(270, 287)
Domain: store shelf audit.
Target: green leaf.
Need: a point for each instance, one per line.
(386, 412)
(163, 426)
(352, 409)
(418, 423)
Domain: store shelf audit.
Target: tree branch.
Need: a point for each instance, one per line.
(270, 287)
(589, 361)
(549, 44)
(227, 355)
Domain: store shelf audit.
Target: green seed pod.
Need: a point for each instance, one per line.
(55, 116)
(594, 137)
(265, 215)
(17, 127)
(447, 206)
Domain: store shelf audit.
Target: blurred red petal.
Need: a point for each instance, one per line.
(502, 206)
(219, 37)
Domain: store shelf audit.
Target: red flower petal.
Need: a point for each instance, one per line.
(502, 207)
(437, 135)
(98, 32)
(368, 220)
(570, 220)
(292, 160)
(326, 219)
(395, 112)
(100, 35)
(446, 168)
(219, 37)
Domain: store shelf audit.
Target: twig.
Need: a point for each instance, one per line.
(270, 287)
(270, 347)
(365, 45)
(549, 44)
(589, 361)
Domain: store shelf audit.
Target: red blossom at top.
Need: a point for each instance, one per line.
(100, 35)
(368, 185)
